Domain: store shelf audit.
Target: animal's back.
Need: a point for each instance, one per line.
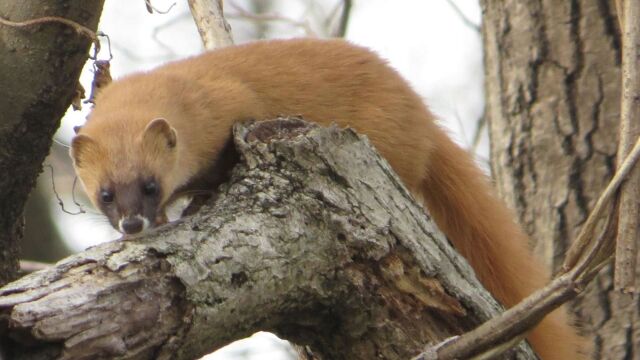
(325, 81)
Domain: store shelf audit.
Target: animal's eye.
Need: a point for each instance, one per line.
(106, 196)
(150, 188)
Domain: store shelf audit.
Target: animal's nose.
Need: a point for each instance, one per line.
(131, 225)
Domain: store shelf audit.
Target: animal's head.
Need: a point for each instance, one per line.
(127, 175)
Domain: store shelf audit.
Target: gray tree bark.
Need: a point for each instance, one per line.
(553, 101)
(314, 238)
(40, 66)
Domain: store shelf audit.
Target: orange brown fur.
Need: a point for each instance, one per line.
(325, 82)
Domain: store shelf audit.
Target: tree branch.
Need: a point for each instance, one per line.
(463, 17)
(585, 258)
(214, 30)
(314, 238)
(345, 15)
(629, 216)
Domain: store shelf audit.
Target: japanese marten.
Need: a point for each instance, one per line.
(153, 135)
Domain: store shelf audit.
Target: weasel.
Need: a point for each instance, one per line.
(153, 135)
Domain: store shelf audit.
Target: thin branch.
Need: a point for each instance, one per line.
(59, 199)
(582, 243)
(101, 78)
(79, 28)
(619, 12)
(629, 222)
(28, 266)
(491, 337)
(463, 133)
(151, 9)
(214, 30)
(73, 195)
(477, 135)
(586, 257)
(463, 17)
(102, 34)
(344, 18)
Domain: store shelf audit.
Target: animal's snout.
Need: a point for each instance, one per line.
(132, 224)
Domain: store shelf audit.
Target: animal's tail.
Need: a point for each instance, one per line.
(483, 230)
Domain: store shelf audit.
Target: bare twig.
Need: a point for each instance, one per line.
(344, 18)
(582, 242)
(73, 195)
(492, 337)
(28, 266)
(102, 34)
(463, 17)
(60, 202)
(477, 135)
(151, 9)
(101, 78)
(586, 257)
(79, 28)
(629, 221)
(212, 26)
(242, 13)
(619, 11)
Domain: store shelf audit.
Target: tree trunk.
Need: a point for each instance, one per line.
(314, 238)
(40, 66)
(553, 101)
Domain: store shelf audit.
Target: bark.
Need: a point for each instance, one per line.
(212, 26)
(629, 220)
(553, 101)
(40, 68)
(314, 238)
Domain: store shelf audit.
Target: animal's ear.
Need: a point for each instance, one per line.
(160, 130)
(82, 146)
